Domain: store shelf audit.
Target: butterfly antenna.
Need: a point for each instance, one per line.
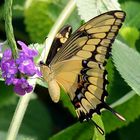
(114, 112)
(101, 131)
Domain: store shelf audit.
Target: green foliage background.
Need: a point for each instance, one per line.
(32, 21)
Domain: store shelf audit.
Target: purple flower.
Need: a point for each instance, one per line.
(7, 55)
(8, 67)
(25, 61)
(22, 86)
(16, 71)
(9, 79)
(26, 66)
(30, 53)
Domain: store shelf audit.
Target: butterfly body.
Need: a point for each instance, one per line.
(79, 64)
(53, 87)
(54, 90)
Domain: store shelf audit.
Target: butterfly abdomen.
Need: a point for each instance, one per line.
(53, 87)
(54, 90)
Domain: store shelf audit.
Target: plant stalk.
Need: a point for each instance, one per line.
(9, 27)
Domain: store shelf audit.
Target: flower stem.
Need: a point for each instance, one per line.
(23, 101)
(9, 28)
(18, 115)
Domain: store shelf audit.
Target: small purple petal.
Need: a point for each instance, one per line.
(9, 67)
(15, 81)
(23, 45)
(27, 67)
(26, 50)
(9, 80)
(22, 86)
(38, 73)
(19, 91)
(7, 55)
(9, 70)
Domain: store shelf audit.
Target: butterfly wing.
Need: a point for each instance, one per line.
(79, 64)
(99, 31)
(60, 38)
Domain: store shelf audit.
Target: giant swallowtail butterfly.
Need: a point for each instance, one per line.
(76, 62)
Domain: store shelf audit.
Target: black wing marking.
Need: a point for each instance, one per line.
(60, 38)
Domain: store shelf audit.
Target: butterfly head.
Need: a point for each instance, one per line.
(45, 71)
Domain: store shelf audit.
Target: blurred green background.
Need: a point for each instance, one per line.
(32, 21)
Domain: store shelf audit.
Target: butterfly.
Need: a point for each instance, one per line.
(76, 62)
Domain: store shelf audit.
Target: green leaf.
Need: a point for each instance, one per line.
(127, 62)
(38, 22)
(18, 7)
(3, 136)
(133, 128)
(130, 34)
(2, 12)
(7, 96)
(94, 7)
(123, 99)
(130, 110)
(36, 124)
(116, 83)
(97, 134)
(37, 121)
(132, 16)
(41, 15)
(78, 131)
(67, 103)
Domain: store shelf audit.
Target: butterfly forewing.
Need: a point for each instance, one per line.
(60, 38)
(99, 31)
(79, 65)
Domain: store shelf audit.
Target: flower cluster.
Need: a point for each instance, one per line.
(16, 71)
